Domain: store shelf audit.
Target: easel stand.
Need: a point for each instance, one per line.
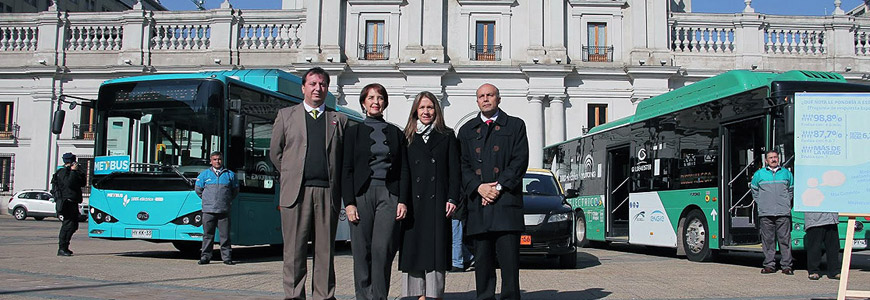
(847, 260)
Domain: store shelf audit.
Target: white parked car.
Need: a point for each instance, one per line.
(37, 204)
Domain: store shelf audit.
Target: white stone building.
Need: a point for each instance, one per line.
(561, 65)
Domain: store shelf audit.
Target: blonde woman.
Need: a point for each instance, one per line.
(433, 160)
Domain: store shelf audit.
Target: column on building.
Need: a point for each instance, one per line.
(554, 35)
(412, 30)
(535, 130)
(433, 26)
(556, 119)
(535, 30)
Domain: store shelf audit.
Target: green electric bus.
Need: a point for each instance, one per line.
(676, 173)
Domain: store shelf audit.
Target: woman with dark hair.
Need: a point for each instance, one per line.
(427, 235)
(374, 187)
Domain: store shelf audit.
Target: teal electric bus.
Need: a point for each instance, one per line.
(154, 134)
(676, 173)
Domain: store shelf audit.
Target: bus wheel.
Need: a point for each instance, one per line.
(188, 248)
(580, 229)
(695, 239)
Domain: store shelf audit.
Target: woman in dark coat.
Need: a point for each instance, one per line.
(433, 160)
(374, 187)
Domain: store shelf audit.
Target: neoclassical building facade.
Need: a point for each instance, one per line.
(561, 65)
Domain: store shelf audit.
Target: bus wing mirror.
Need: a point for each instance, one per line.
(572, 193)
(789, 118)
(238, 126)
(57, 121)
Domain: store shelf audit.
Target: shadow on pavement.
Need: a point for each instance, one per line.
(113, 284)
(590, 293)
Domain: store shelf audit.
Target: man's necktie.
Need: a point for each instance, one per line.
(314, 113)
(488, 122)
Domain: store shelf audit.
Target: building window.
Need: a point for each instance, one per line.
(375, 48)
(92, 5)
(31, 2)
(8, 129)
(5, 8)
(485, 47)
(597, 49)
(597, 115)
(6, 161)
(84, 130)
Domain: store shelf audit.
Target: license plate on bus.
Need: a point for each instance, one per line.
(859, 244)
(141, 233)
(525, 240)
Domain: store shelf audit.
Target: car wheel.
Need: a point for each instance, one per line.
(580, 229)
(695, 237)
(568, 261)
(188, 248)
(19, 213)
(39, 218)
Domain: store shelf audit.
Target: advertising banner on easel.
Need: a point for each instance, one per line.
(832, 163)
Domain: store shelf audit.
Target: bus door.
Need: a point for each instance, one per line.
(618, 176)
(742, 147)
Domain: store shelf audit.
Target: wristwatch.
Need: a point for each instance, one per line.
(498, 187)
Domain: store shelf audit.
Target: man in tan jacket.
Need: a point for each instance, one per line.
(306, 146)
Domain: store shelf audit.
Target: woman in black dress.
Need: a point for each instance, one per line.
(433, 160)
(374, 187)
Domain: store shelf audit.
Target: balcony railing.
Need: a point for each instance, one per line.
(484, 52)
(374, 51)
(598, 53)
(9, 131)
(83, 131)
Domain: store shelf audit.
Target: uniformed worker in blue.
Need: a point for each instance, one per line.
(217, 186)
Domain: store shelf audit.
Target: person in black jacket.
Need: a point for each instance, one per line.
(433, 160)
(375, 188)
(66, 186)
(495, 155)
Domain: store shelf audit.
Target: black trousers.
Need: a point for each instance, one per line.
(504, 246)
(823, 238)
(222, 222)
(69, 225)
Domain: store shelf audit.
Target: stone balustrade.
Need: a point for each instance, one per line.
(751, 40)
(258, 38)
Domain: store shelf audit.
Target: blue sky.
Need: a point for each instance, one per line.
(777, 7)
(774, 7)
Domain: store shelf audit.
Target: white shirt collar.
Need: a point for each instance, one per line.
(319, 109)
(773, 169)
(495, 116)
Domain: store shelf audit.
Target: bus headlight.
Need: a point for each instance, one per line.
(99, 216)
(194, 218)
(559, 217)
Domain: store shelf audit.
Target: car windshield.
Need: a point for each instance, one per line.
(540, 184)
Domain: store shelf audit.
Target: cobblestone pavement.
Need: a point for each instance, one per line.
(101, 269)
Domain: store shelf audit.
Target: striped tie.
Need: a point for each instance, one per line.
(314, 113)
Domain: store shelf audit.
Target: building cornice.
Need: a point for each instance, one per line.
(486, 2)
(375, 2)
(487, 70)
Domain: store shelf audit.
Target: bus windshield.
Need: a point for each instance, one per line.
(166, 127)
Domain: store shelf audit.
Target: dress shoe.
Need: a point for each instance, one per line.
(456, 270)
(203, 261)
(62, 252)
(229, 262)
(787, 271)
(835, 277)
(814, 276)
(768, 270)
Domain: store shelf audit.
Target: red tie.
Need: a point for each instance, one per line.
(488, 122)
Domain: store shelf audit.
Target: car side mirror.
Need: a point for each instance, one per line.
(572, 193)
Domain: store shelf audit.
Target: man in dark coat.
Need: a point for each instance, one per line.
(66, 187)
(495, 155)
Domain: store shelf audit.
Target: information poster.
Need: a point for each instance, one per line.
(832, 152)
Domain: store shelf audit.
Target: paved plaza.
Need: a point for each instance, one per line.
(104, 269)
